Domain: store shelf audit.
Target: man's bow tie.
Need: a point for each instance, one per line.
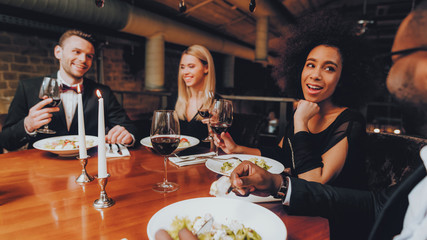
(72, 88)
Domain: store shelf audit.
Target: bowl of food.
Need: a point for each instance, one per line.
(230, 216)
(184, 143)
(64, 146)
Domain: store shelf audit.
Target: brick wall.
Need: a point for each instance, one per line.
(25, 56)
(118, 76)
(22, 57)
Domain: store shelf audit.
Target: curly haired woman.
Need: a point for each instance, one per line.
(323, 63)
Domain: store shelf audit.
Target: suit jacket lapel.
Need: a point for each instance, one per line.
(61, 116)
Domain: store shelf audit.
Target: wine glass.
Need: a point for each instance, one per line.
(50, 88)
(221, 116)
(165, 137)
(204, 103)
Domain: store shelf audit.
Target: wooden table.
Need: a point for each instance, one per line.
(39, 198)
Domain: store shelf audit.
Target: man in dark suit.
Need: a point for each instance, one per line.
(27, 113)
(354, 214)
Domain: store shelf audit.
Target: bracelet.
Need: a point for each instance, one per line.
(283, 189)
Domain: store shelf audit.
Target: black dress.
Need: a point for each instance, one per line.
(194, 127)
(303, 151)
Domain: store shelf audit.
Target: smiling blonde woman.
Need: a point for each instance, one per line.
(196, 74)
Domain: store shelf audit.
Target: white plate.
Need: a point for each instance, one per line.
(193, 142)
(267, 224)
(215, 166)
(91, 141)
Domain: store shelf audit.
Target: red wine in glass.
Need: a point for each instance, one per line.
(219, 128)
(49, 89)
(221, 116)
(55, 102)
(165, 145)
(165, 137)
(204, 113)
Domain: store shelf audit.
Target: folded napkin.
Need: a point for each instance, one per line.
(191, 159)
(125, 152)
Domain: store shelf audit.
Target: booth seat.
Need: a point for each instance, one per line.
(391, 158)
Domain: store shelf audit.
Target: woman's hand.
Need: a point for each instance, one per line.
(225, 142)
(205, 121)
(305, 111)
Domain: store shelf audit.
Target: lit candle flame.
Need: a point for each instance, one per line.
(98, 93)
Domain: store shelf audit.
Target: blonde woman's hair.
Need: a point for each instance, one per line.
(205, 57)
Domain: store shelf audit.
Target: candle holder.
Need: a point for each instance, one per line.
(84, 177)
(104, 201)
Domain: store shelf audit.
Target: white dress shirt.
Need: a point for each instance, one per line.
(69, 101)
(415, 222)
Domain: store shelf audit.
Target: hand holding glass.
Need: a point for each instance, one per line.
(221, 116)
(50, 89)
(204, 104)
(165, 137)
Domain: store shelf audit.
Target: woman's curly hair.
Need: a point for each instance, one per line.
(356, 83)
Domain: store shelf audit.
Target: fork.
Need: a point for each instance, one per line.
(189, 158)
(111, 148)
(118, 149)
(215, 158)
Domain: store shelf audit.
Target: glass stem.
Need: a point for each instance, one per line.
(165, 179)
(213, 147)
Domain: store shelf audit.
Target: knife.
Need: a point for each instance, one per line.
(118, 149)
(194, 157)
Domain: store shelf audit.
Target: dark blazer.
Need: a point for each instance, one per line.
(26, 96)
(355, 214)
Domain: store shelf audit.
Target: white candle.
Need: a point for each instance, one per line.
(81, 123)
(102, 160)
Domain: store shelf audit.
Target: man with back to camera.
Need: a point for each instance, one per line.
(354, 214)
(27, 113)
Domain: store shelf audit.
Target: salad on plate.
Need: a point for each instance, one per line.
(228, 166)
(229, 230)
(66, 144)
